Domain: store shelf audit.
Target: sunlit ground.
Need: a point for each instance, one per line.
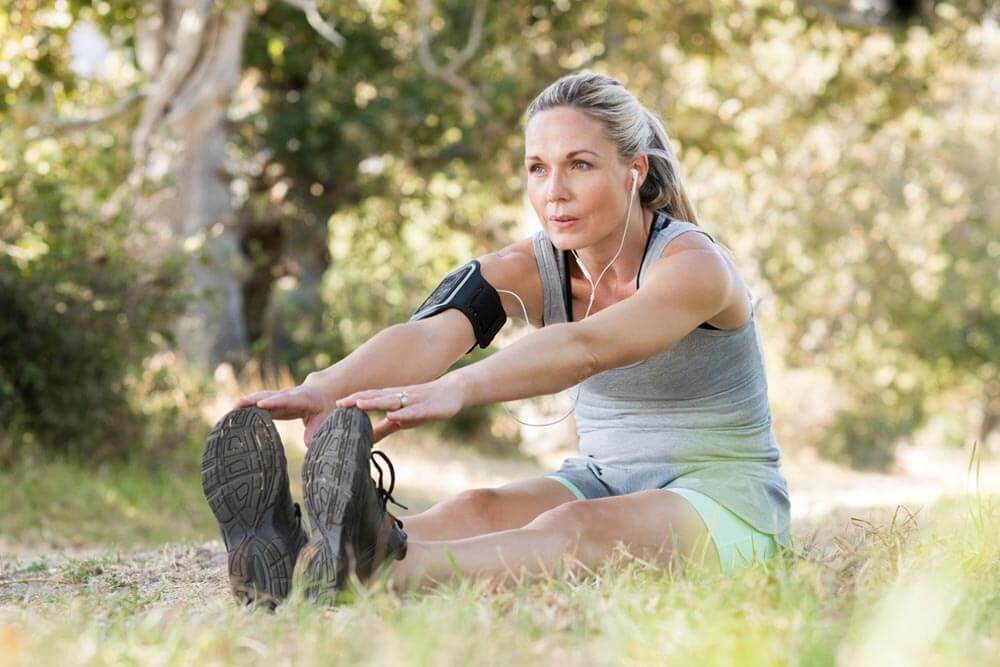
(123, 565)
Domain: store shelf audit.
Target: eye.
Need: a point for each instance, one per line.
(581, 163)
(535, 168)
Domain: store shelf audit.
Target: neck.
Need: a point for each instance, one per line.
(626, 266)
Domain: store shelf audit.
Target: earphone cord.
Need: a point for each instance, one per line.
(593, 293)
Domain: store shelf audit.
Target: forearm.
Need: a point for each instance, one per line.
(387, 359)
(543, 362)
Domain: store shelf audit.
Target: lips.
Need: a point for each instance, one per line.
(563, 221)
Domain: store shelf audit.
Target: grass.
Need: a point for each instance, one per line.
(62, 504)
(909, 588)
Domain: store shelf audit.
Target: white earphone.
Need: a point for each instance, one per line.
(593, 293)
(579, 262)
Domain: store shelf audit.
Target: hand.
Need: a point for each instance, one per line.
(302, 402)
(432, 401)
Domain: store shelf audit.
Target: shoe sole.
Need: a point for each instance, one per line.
(335, 471)
(243, 474)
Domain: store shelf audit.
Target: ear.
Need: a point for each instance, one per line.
(641, 165)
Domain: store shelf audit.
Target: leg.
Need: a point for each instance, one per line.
(353, 534)
(652, 525)
(480, 511)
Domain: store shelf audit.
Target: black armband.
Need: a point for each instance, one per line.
(466, 289)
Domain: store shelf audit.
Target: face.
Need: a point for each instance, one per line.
(576, 183)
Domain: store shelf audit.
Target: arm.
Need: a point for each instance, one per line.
(440, 341)
(681, 291)
(690, 284)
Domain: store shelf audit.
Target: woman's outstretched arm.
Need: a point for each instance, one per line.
(407, 353)
(680, 292)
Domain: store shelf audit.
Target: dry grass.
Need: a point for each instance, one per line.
(883, 586)
(123, 566)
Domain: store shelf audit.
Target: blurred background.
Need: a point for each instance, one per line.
(200, 198)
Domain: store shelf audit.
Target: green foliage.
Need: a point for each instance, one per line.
(82, 311)
(79, 320)
(881, 250)
(851, 170)
(80, 317)
(408, 171)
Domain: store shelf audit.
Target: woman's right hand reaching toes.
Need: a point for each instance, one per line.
(305, 403)
(302, 402)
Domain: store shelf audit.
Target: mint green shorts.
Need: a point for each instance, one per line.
(738, 544)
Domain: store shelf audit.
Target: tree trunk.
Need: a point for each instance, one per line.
(190, 51)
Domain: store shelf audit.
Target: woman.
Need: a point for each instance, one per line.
(679, 460)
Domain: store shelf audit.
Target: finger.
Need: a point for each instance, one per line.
(407, 417)
(312, 425)
(251, 399)
(384, 428)
(386, 403)
(372, 399)
(276, 398)
(289, 404)
(368, 394)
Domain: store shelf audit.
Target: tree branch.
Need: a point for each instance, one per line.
(200, 79)
(52, 126)
(324, 28)
(174, 71)
(863, 20)
(475, 37)
(449, 73)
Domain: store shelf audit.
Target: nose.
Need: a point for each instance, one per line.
(556, 188)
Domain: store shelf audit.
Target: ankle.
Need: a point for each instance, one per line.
(406, 573)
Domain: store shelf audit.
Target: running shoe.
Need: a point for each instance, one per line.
(245, 478)
(353, 532)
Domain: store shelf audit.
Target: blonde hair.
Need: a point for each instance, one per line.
(633, 128)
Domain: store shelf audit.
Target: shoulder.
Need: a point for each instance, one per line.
(513, 268)
(692, 241)
(694, 267)
(514, 259)
(693, 245)
(692, 238)
(697, 274)
(687, 284)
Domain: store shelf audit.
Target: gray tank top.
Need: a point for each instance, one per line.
(700, 408)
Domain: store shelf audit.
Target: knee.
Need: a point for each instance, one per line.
(571, 521)
(477, 505)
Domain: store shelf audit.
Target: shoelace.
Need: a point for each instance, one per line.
(384, 495)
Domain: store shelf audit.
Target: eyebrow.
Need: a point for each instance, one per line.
(568, 155)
